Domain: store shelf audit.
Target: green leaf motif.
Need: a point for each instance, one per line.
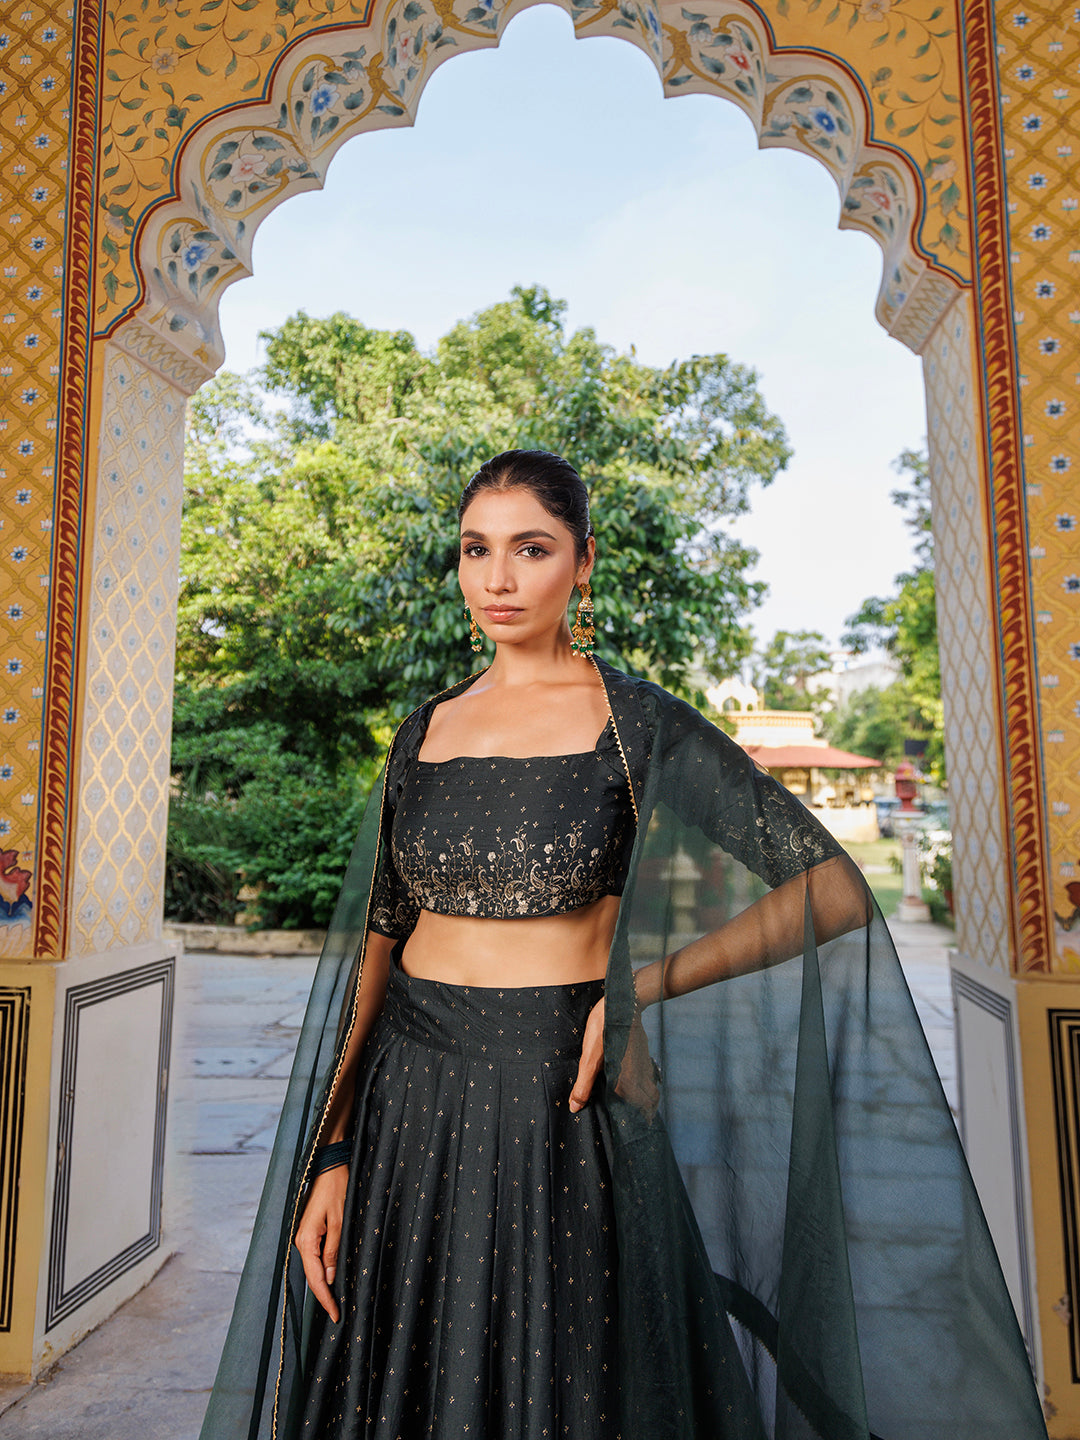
(950, 198)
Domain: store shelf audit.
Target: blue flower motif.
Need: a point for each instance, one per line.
(192, 256)
(38, 243)
(48, 35)
(3, 42)
(1072, 584)
(1036, 181)
(1032, 122)
(824, 119)
(49, 83)
(14, 612)
(322, 98)
(41, 142)
(5, 826)
(1065, 522)
(1044, 289)
(18, 553)
(26, 447)
(6, 772)
(1040, 232)
(30, 341)
(22, 497)
(14, 666)
(1060, 463)
(10, 715)
(1048, 346)
(39, 193)
(29, 396)
(1055, 407)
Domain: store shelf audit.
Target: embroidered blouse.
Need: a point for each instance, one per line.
(500, 837)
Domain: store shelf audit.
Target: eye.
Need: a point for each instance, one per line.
(472, 549)
(534, 552)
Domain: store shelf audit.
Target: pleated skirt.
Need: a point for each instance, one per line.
(477, 1272)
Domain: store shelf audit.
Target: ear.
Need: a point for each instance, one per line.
(586, 567)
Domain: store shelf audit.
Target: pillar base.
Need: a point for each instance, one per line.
(85, 1092)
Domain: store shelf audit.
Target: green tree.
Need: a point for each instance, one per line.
(319, 595)
(904, 625)
(785, 665)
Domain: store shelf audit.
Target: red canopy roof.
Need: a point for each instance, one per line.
(805, 757)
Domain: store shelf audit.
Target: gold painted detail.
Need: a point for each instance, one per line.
(35, 64)
(1039, 52)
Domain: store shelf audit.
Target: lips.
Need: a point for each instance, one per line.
(501, 612)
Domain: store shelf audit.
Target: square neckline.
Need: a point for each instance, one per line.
(609, 725)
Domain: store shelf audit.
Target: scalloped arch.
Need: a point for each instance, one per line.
(244, 160)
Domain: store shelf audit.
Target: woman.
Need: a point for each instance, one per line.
(510, 1221)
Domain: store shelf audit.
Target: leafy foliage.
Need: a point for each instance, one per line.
(905, 626)
(785, 665)
(319, 595)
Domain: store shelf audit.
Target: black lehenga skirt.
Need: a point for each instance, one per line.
(477, 1272)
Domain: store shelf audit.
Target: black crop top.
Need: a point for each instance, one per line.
(501, 838)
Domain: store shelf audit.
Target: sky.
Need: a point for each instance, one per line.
(557, 161)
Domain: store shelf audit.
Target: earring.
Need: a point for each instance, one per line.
(475, 638)
(584, 636)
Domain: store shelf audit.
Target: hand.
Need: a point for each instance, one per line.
(318, 1235)
(592, 1057)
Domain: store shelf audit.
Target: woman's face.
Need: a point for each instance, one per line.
(518, 566)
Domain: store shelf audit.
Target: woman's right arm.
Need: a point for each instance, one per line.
(318, 1235)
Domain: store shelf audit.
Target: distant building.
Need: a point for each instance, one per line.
(851, 673)
(783, 742)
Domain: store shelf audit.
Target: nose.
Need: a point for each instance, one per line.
(499, 577)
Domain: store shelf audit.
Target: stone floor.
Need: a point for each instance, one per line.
(146, 1372)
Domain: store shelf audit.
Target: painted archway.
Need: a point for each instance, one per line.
(142, 147)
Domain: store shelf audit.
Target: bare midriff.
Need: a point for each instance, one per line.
(542, 950)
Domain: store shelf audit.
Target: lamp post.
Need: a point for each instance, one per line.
(912, 907)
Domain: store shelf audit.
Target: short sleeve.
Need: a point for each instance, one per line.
(393, 911)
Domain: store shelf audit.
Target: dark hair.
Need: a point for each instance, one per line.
(553, 480)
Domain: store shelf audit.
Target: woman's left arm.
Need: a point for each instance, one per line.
(769, 931)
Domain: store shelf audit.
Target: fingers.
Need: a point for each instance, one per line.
(592, 1057)
(309, 1245)
(318, 1237)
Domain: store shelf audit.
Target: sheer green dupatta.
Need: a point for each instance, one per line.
(262, 1357)
(801, 1249)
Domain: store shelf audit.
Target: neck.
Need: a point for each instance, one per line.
(544, 661)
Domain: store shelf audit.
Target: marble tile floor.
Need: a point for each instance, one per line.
(145, 1373)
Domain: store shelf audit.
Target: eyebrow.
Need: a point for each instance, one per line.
(514, 539)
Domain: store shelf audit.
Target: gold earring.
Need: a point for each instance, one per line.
(584, 636)
(475, 638)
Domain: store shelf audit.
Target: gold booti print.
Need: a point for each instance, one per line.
(505, 838)
(477, 1273)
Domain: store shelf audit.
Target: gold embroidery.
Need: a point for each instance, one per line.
(518, 877)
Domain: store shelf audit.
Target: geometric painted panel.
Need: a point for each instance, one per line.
(965, 619)
(124, 778)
